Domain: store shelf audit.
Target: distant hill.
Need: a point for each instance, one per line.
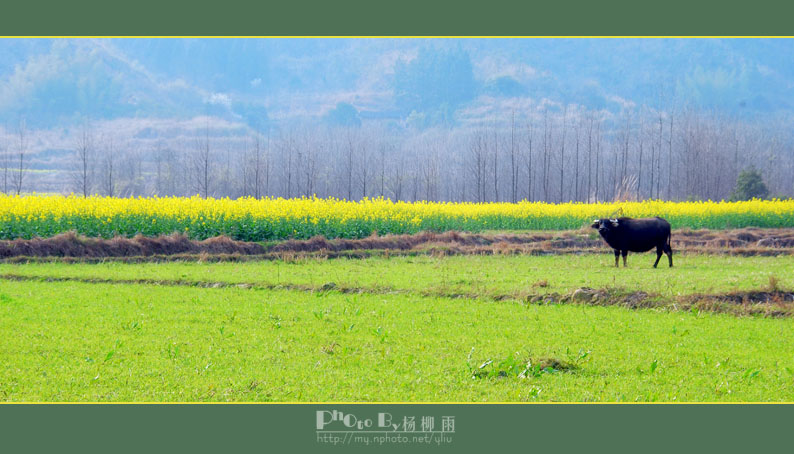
(257, 82)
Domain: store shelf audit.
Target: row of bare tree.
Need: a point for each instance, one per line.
(560, 155)
(14, 160)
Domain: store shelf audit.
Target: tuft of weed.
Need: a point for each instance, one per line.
(516, 366)
(329, 349)
(774, 283)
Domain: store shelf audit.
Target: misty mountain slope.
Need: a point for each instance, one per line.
(56, 82)
(77, 79)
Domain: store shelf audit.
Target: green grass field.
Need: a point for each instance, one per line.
(397, 340)
(482, 275)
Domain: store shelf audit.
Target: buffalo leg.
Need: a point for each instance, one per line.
(669, 251)
(625, 253)
(617, 254)
(659, 250)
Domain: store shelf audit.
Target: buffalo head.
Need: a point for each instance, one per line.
(604, 225)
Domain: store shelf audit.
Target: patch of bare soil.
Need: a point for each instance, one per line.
(772, 302)
(73, 245)
(748, 241)
(768, 303)
(743, 242)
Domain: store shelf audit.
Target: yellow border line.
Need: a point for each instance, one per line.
(403, 36)
(396, 403)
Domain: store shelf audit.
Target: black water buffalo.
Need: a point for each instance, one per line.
(636, 235)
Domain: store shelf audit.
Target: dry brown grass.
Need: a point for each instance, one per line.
(765, 303)
(73, 245)
(741, 242)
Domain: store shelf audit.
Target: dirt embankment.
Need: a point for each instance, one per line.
(72, 245)
(765, 302)
(748, 241)
(769, 302)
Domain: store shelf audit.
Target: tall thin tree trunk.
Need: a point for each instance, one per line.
(598, 158)
(576, 167)
(495, 166)
(639, 165)
(545, 167)
(670, 161)
(529, 165)
(562, 153)
(513, 167)
(589, 157)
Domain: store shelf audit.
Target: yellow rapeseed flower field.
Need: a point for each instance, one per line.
(252, 219)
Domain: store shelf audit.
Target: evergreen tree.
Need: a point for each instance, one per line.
(750, 184)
